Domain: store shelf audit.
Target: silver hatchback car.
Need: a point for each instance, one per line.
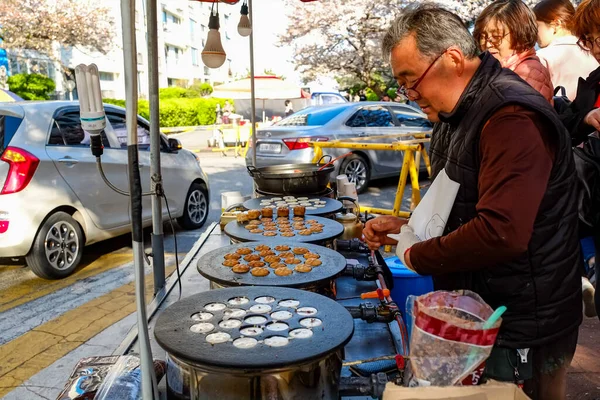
(53, 200)
(285, 142)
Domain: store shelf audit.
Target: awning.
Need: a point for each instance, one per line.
(265, 87)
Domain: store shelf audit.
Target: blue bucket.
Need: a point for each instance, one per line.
(407, 282)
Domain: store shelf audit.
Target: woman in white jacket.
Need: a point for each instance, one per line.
(559, 50)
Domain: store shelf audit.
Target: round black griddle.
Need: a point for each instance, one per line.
(331, 230)
(211, 267)
(172, 330)
(331, 205)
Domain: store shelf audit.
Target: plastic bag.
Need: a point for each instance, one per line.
(86, 378)
(448, 340)
(123, 382)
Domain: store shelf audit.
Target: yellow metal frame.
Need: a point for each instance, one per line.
(413, 150)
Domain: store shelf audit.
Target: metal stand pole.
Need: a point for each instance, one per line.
(158, 245)
(135, 190)
(252, 93)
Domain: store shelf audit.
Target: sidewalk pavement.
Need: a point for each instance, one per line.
(583, 377)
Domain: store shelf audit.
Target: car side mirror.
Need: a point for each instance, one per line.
(175, 144)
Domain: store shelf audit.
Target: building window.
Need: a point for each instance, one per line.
(206, 70)
(202, 28)
(139, 83)
(107, 76)
(195, 57)
(172, 54)
(169, 18)
(192, 29)
(140, 58)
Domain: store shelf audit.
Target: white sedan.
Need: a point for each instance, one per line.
(53, 200)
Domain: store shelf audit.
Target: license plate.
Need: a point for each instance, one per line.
(269, 147)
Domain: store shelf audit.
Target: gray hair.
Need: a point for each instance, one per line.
(435, 28)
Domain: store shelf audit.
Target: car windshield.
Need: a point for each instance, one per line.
(311, 116)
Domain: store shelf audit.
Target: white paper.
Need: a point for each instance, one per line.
(429, 218)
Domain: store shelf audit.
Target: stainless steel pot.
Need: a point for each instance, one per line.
(292, 178)
(318, 379)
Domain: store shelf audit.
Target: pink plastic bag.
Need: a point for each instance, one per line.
(448, 340)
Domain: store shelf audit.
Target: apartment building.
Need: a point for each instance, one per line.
(182, 31)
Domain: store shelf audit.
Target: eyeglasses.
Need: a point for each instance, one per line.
(494, 40)
(411, 92)
(587, 44)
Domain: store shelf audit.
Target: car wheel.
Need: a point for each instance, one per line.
(357, 170)
(195, 210)
(57, 247)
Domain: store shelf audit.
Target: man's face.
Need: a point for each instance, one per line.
(408, 66)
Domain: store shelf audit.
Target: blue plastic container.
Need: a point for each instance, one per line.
(407, 282)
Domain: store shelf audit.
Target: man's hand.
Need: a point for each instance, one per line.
(406, 239)
(376, 230)
(593, 119)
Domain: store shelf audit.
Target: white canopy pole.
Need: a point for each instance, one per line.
(135, 190)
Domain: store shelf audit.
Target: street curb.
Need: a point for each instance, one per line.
(184, 129)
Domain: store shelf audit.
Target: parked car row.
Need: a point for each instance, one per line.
(286, 142)
(53, 200)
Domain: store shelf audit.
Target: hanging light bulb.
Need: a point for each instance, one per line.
(213, 54)
(244, 27)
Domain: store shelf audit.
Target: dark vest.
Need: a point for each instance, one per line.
(542, 287)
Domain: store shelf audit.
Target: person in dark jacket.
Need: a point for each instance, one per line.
(511, 236)
(582, 116)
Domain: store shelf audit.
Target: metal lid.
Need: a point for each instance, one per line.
(345, 217)
(253, 327)
(210, 265)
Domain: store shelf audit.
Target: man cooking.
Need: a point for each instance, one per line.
(512, 233)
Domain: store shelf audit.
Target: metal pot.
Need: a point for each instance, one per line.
(292, 178)
(316, 379)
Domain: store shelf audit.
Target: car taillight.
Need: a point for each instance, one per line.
(3, 221)
(302, 143)
(21, 170)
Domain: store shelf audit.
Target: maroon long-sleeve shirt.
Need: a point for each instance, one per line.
(516, 161)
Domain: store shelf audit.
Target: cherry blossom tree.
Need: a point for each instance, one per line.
(343, 37)
(40, 24)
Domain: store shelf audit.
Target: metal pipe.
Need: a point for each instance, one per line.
(363, 386)
(135, 189)
(252, 92)
(156, 185)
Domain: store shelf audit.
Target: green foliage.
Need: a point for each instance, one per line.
(31, 86)
(195, 91)
(172, 93)
(392, 93)
(180, 111)
(200, 90)
(371, 95)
